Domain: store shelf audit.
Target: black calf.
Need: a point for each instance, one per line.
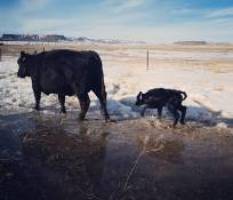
(160, 97)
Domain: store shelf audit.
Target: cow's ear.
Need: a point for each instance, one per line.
(23, 56)
(22, 53)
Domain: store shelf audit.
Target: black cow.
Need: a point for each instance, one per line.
(65, 72)
(160, 97)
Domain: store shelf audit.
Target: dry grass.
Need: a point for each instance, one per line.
(135, 55)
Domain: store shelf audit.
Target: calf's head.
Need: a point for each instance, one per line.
(139, 100)
(24, 65)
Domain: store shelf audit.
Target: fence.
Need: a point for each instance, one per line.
(1, 44)
(147, 60)
(13, 49)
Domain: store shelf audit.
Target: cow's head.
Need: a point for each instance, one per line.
(24, 65)
(139, 100)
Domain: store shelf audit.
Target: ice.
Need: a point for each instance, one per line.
(222, 125)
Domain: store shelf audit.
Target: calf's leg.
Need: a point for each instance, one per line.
(173, 109)
(143, 111)
(160, 109)
(183, 110)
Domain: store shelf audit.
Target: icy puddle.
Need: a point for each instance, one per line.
(55, 157)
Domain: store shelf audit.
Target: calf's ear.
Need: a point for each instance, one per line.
(140, 95)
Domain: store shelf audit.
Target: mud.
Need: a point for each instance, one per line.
(57, 157)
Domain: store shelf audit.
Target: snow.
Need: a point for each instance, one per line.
(209, 92)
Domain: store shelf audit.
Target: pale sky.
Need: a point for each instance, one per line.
(146, 20)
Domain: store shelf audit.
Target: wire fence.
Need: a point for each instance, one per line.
(119, 53)
(1, 44)
(147, 57)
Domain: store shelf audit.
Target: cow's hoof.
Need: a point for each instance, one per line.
(172, 126)
(81, 117)
(183, 123)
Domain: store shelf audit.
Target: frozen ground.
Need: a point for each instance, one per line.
(209, 90)
(54, 157)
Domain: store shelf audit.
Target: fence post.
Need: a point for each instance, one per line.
(147, 60)
(0, 54)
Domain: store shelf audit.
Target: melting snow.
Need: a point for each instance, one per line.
(209, 93)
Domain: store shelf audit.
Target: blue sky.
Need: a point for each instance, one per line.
(148, 20)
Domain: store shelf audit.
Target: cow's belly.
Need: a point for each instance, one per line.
(54, 90)
(55, 85)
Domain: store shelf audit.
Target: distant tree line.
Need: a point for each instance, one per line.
(33, 37)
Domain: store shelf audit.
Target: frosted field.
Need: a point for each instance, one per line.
(205, 75)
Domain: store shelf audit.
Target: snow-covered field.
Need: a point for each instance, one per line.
(210, 92)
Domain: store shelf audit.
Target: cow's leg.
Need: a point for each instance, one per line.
(183, 110)
(84, 101)
(173, 109)
(62, 99)
(82, 94)
(160, 109)
(102, 96)
(37, 95)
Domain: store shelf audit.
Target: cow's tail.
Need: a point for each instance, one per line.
(99, 66)
(98, 61)
(184, 95)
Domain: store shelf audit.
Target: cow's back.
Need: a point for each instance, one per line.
(157, 92)
(61, 69)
